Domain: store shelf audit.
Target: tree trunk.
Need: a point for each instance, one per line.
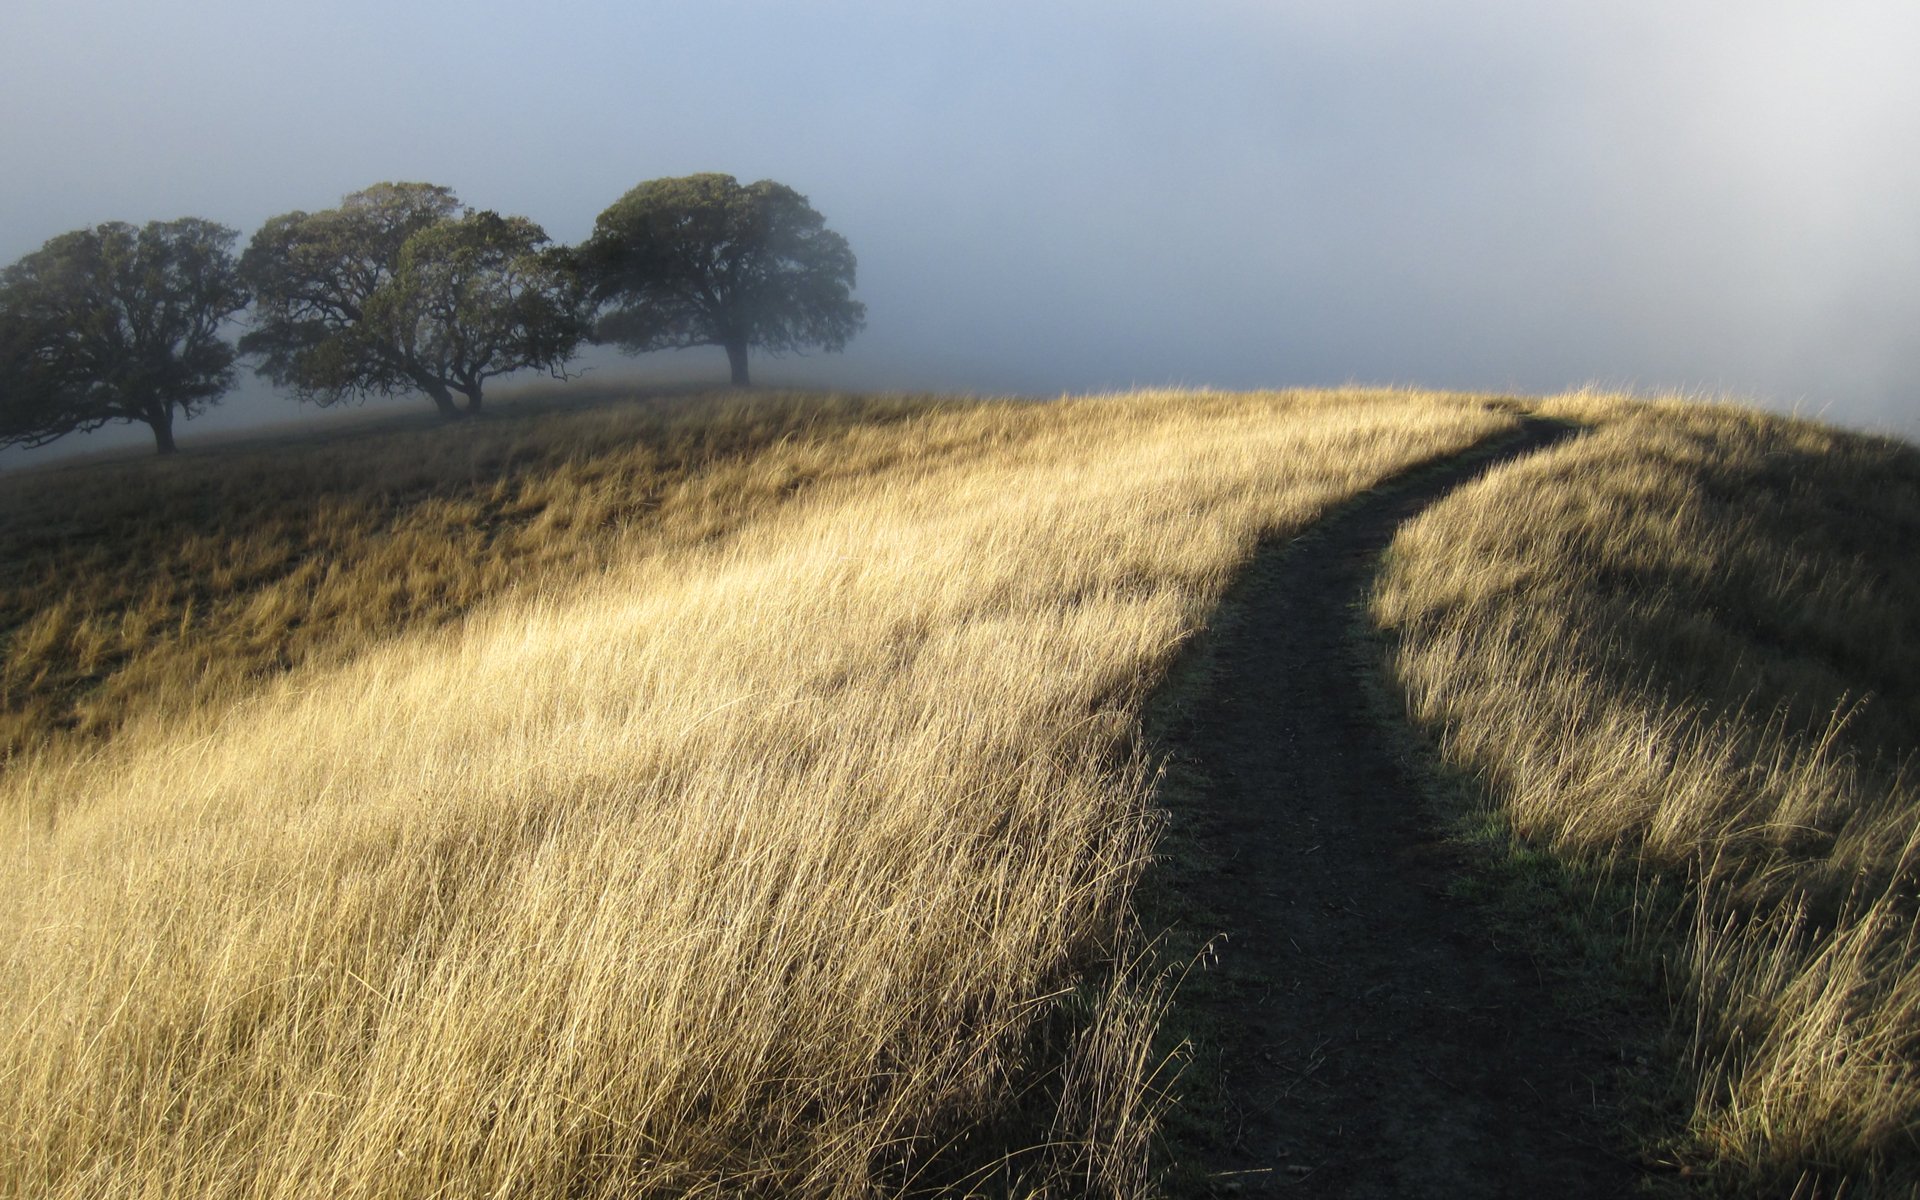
(473, 398)
(442, 399)
(737, 359)
(162, 424)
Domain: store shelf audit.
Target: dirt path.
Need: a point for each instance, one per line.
(1361, 1033)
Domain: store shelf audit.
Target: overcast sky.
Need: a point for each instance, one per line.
(1488, 194)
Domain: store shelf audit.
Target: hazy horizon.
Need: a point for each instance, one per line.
(1487, 195)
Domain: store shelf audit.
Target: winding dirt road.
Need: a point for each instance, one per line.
(1365, 1034)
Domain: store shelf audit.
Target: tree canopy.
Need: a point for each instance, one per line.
(706, 261)
(117, 323)
(401, 288)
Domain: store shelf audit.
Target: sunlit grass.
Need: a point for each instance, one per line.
(145, 584)
(753, 842)
(1686, 646)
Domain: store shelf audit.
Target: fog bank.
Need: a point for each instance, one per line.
(1487, 194)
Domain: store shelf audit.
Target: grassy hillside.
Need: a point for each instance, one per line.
(145, 585)
(1686, 648)
(767, 823)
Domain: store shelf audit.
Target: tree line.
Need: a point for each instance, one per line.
(402, 288)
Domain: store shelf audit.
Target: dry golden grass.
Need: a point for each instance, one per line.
(177, 582)
(1687, 646)
(792, 861)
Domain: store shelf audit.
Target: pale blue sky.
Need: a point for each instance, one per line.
(1497, 194)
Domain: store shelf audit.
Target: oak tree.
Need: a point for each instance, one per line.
(117, 323)
(706, 261)
(401, 288)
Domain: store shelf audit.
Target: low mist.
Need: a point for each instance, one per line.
(1486, 195)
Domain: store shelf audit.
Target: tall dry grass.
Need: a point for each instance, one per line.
(1686, 646)
(181, 582)
(795, 861)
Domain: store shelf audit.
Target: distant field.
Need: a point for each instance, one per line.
(691, 798)
(1686, 648)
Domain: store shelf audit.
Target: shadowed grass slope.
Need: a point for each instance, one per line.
(792, 861)
(1686, 646)
(132, 585)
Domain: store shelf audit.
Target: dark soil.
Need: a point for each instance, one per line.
(1359, 1030)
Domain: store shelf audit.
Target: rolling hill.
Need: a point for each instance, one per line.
(752, 793)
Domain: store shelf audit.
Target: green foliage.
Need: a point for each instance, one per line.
(705, 261)
(403, 289)
(115, 323)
